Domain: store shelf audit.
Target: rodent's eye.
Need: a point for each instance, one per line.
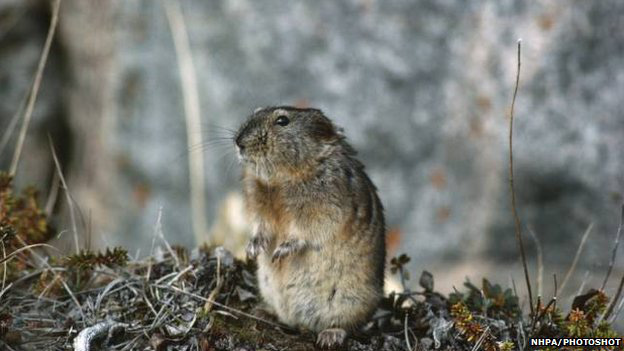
(282, 120)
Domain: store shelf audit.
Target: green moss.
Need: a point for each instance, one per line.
(20, 216)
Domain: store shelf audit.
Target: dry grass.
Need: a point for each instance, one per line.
(512, 190)
(32, 97)
(192, 118)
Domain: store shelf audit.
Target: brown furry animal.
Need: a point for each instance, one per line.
(318, 224)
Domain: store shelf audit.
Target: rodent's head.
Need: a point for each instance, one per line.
(285, 140)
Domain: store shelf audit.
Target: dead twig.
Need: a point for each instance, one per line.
(576, 256)
(407, 341)
(6, 136)
(32, 98)
(27, 247)
(4, 290)
(215, 292)
(511, 185)
(540, 261)
(4, 266)
(481, 339)
(614, 301)
(617, 312)
(556, 290)
(614, 249)
(44, 262)
(52, 195)
(225, 307)
(70, 201)
(192, 116)
(158, 231)
(542, 313)
(583, 283)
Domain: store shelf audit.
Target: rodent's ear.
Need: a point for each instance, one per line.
(324, 129)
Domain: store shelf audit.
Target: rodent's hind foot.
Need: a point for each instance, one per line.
(257, 243)
(288, 248)
(331, 337)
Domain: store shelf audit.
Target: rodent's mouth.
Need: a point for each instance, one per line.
(239, 153)
(242, 156)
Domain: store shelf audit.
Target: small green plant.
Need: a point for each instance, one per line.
(88, 259)
(491, 300)
(397, 265)
(585, 318)
(472, 330)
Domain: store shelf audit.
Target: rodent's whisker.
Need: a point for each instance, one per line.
(220, 134)
(219, 140)
(224, 154)
(216, 128)
(228, 137)
(204, 148)
(210, 143)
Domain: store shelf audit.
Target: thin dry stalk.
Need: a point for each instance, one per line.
(48, 287)
(52, 195)
(56, 5)
(5, 289)
(576, 257)
(158, 231)
(617, 312)
(56, 275)
(511, 185)
(215, 292)
(481, 338)
(70, 201)
(583, 283)
(180, 274)
(614, 302)
(541, 315)
(150, 304)
(6, 136)
(192, 117)
(148, 273)
(540, 261)
(225, 307)
(615, 249)
(4, 266)
(405, 329)
(27, 247)
(104, 292)
(556, 289)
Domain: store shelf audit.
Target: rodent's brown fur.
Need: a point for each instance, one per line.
(319, 231)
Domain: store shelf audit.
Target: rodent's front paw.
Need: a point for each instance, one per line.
(258, 243)
(287, 248)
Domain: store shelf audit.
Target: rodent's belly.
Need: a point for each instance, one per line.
(320, 289)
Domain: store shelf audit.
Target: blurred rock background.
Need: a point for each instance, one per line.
(422, 89)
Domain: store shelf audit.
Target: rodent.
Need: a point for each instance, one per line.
(318, 224)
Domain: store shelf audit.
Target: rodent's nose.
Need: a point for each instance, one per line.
(239, 142)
